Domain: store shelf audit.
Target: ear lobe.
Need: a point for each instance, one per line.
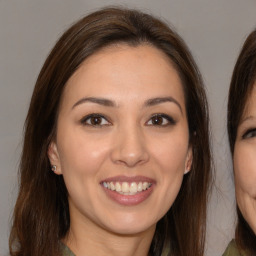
(53, 156)
(189, 160)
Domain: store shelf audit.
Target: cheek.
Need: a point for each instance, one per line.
(245, 169)
(170, 157)
(81, 160)
(171, 153)
(80, 154)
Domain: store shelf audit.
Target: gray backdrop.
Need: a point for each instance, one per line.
(213, 30)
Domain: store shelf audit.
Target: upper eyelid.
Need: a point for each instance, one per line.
(86, 117)
(244, 129)
(163, 115)
(249, 130)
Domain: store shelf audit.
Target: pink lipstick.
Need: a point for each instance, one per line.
(128, 190)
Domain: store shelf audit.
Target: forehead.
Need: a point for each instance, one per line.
(141, 70)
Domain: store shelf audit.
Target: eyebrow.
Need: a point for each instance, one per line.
(246, 119)
(159, 100)
(110, 103)
(100, 101)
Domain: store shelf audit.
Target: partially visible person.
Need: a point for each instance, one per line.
(242, 138)
(116, 157)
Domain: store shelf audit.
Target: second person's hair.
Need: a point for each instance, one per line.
(241, 86)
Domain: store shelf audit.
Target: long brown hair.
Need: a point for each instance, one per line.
(41, 215)
(243, 79)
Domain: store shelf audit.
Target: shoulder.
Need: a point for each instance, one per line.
(66, 251)
(232, 250)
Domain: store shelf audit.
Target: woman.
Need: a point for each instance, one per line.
(116, 155)
(242, 131)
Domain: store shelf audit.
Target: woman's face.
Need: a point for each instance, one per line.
(245, 162)
(122, 141)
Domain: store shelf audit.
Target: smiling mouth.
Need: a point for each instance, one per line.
(127, 188)
(128, 191)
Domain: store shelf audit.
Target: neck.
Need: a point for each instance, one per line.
(89, 239)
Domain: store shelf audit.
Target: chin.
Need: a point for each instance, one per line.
(130, 227)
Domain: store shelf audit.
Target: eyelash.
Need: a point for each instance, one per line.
(168, 119)
(165, 119)
(249, 133)
(90, 116)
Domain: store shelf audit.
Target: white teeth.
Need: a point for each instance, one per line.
(140, 186)
(112, 186)
(133, 187)
(144, 185)
(118, 187)
(126, 188)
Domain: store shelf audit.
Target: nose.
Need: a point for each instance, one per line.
(129, 147)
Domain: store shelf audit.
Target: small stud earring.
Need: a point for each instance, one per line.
(54, 168)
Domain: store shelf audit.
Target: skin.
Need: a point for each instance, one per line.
(245, 162)
(125, 142)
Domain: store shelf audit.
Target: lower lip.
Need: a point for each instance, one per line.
(129, 200)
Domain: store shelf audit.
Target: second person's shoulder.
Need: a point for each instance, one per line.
(232, 250)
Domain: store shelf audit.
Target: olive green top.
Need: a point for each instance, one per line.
(232, 250)
(66, 251)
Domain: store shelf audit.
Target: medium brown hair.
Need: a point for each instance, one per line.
(243, 79)
(41, 215)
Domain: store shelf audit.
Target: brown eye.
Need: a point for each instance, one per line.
(161, 120)
(95, 120)
(157, 120)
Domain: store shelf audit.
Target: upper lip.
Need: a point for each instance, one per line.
(129, 179)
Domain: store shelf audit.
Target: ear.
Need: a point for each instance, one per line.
(54, 158)
(189, 160)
